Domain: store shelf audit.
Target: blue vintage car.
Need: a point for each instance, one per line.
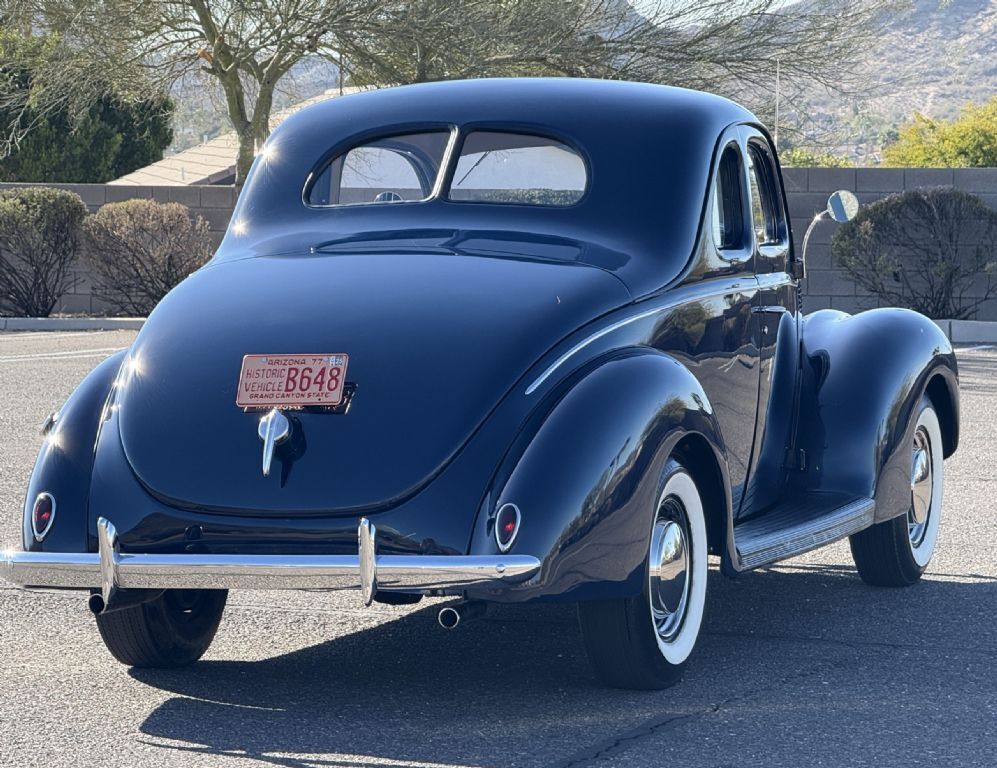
(507, 340)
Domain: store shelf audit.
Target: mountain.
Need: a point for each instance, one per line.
(932, 59)
(937, 58)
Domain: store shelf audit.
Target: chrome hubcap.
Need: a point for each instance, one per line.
(921, 488)
(669, 569)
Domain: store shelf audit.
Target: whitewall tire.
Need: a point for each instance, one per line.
(896, 552)
(644, 642)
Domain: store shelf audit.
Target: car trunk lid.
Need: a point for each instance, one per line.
(434, 342)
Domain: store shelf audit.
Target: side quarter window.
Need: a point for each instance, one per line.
(727, 214)
(771, 233)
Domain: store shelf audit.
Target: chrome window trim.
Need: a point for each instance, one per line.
(741, 255)
(448, 158)
(434, 191)
(755, 139)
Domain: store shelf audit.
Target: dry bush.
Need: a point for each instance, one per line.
(931, 250)
(39, 243)
(139, 249)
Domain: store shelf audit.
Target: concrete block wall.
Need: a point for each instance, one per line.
(807, 190)
(213, 203)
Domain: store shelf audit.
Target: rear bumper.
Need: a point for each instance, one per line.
(111, 570)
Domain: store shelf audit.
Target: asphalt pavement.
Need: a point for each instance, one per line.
(798, 665)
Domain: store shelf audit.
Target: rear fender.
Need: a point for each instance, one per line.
(65, 462)
(587, 481)
(863, 377)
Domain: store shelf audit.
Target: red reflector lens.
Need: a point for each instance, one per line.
(506, 526)
(42, 515)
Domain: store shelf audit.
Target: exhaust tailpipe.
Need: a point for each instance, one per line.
(457, 613)
(96, 604)
(120, 598)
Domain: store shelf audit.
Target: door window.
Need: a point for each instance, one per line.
(766, 203)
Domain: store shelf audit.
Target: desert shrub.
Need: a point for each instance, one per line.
(969, 142)
(139, 249)
(805, 158)
(932, 250)
(39, 243)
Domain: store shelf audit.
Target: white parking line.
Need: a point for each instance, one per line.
(980, 348)
(70, 355)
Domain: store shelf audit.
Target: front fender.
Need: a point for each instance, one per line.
(587, 482)
(863, 379)
(65, 462)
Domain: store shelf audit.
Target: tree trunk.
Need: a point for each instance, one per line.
(247, 152)
(254, 132)
(421, 67)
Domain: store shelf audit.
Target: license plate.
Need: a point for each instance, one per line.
(291, 381)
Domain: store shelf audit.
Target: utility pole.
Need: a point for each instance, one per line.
(778, 72)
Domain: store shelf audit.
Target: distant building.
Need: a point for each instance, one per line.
(212, 162)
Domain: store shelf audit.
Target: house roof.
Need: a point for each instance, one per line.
(212, 162)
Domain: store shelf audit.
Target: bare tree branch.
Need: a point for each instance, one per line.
(249, 46)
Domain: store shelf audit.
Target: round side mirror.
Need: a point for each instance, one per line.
(842, 206)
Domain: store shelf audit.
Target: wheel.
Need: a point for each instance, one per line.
(896, 552)
(643, 642)
(173, 630)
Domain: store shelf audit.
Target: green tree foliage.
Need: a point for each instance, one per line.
(96, 142)
(969, 142)
(40, 230)
(931, 250)
(805, 158)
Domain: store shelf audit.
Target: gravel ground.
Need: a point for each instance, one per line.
(798, 665)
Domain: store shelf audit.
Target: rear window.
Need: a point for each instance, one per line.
(387, 170)
(498, 167)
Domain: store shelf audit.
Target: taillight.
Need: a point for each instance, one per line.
(42, 515)
(507, 526)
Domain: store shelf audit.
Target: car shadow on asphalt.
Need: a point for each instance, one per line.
(515, 687)
(976, 374)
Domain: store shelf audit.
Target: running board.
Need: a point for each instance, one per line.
(799, 525)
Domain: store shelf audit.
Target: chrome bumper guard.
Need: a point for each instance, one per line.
(110, 570)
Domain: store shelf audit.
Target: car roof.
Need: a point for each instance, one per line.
(541, 100)
(648, 150)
